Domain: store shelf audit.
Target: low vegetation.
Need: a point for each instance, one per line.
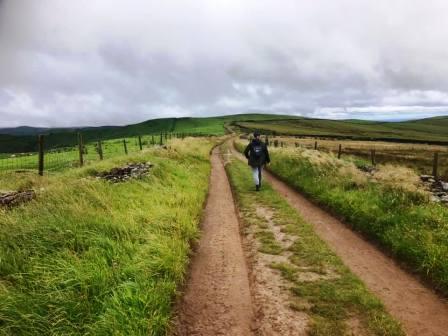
(95, 258)
(320, 285)
(388, 208)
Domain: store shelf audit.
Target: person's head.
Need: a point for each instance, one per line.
(257, 135)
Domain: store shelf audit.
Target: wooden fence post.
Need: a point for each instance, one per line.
(161, 139)
(435, 166)
(41, 155)
(266, 140)
(125, 146)
(373, 157)
(339, 151)
(81, 150)
(140, 142)
(100, 149)
(315, 145)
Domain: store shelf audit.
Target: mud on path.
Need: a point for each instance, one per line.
(217, 300)
(421, 312)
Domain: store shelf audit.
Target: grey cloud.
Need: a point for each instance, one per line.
(93, 62)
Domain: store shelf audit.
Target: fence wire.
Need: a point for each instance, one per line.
(69, 157)
(58, 159)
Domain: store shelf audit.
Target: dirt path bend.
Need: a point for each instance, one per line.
(217, 300)
(421, 312)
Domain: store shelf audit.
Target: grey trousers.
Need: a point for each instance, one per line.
(256, 174)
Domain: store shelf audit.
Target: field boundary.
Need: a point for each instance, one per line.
(48, 158)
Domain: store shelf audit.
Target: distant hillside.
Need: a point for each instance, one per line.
(433, 130)
(23, 130)
(425, 130)
(23, 139)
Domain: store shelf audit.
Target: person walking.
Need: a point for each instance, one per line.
(257, 155)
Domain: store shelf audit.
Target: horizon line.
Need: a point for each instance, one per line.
(230, 115)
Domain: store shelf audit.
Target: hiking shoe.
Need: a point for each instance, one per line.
(257, 187)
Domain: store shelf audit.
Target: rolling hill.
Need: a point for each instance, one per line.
(23, 139)
(431, 130)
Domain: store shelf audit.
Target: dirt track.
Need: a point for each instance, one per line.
(217, 299)
(224, 295)
(220, 298)
(421, 312)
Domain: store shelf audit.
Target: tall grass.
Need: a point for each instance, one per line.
(92, 258)
(416, 156)
(402, 220)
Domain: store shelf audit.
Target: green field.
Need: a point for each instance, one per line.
(68, 157)
(425, 130)
(88, 257)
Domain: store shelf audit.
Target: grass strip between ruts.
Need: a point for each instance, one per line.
(331, 302)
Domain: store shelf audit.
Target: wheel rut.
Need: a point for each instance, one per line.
(420, 310)
(217, 300)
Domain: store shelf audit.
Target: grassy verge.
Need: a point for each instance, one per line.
(92, 258)
(335, 299)
(416, 156)
(388, 208)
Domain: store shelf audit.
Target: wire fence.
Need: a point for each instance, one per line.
(57, 159)
(18, 161)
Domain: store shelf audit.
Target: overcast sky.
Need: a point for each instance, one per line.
(96, 62)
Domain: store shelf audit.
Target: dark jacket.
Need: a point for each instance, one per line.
(257, 153)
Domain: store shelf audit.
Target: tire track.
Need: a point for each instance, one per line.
(420, 310)
(217, 300)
